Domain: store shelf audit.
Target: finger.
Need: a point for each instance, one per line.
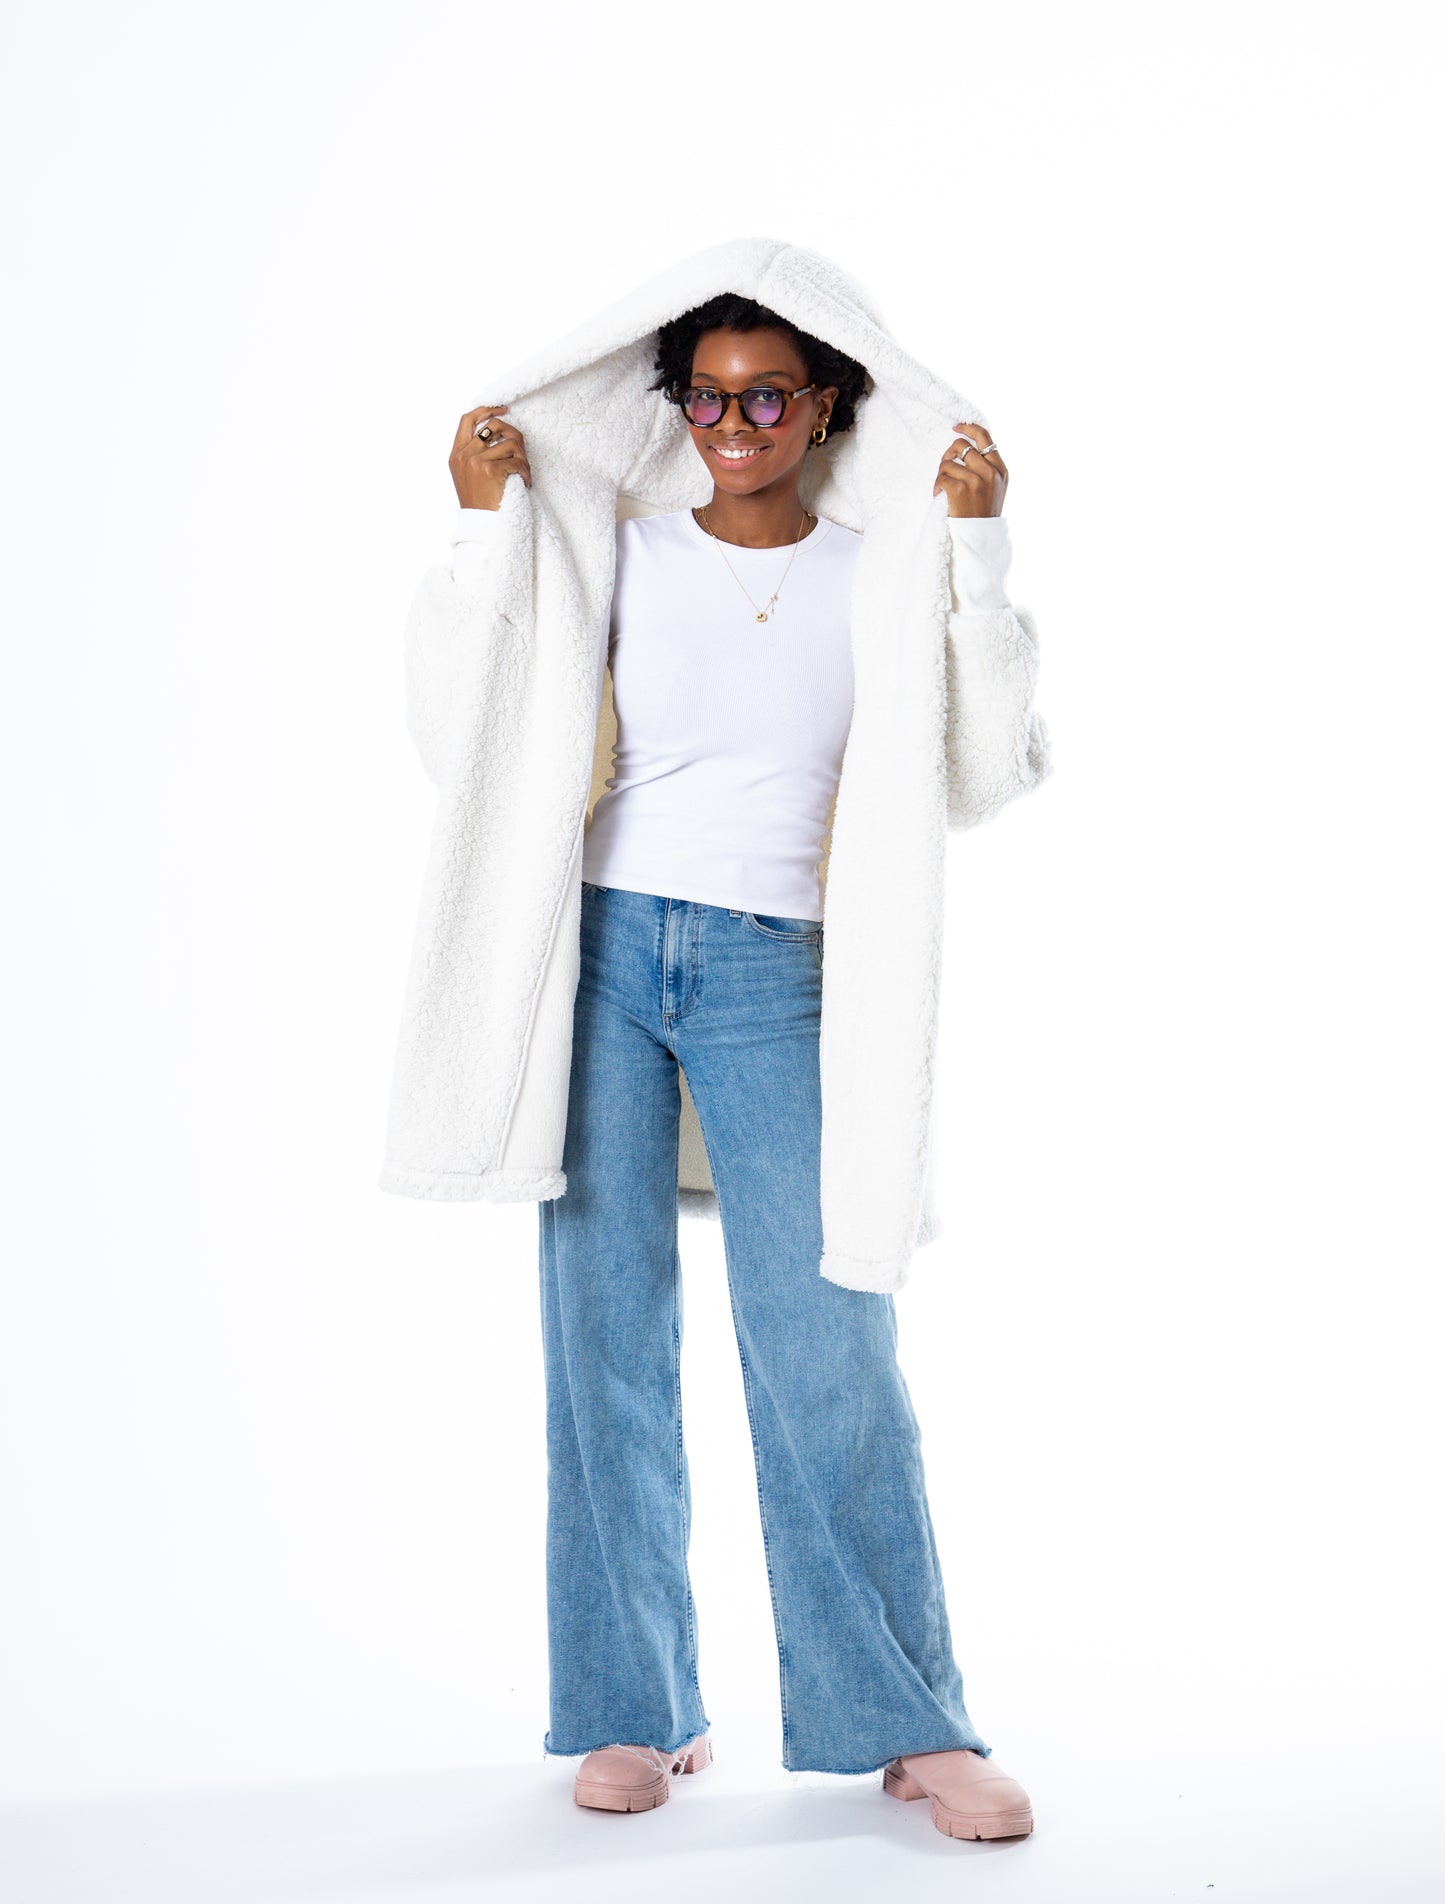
(980, 479)
(972, 441)
(500, 433)
(955, 468)
(981, 439)
(468, 424)
(495, 449)
(974, 469)
(981, 486)
(508, 456)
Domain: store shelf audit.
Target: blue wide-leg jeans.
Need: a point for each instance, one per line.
(866, 1667)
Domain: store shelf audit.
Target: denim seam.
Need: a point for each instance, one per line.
(763, 1519)
(691, 986)
(683, 1517)
(747, 1373)
(938, 1665)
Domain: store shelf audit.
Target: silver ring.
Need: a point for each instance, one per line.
(971, 445)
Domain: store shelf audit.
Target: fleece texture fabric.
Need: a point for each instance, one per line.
(509, 705)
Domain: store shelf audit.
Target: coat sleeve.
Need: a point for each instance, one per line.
(448, 628)
(996, 743)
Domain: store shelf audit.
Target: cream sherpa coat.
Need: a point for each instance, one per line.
(510, 707)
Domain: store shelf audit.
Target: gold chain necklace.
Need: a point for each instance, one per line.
(764, 613)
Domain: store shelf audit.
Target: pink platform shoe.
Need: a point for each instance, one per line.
(636, 1777)
(966, 1795)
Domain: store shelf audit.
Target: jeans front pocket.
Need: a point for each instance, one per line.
(772, 927)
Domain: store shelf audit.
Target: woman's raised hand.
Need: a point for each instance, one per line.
(480, 468)
(975, 486)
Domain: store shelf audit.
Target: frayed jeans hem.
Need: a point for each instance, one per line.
(624, 1738)
(865, 1771)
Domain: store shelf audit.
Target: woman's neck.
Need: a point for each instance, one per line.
(756, 522)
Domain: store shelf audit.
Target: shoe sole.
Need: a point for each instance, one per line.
(638, 1797)
(958, 1824)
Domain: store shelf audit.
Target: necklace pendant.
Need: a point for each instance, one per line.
(762, 617)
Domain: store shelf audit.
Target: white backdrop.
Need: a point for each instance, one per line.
(274, 1478)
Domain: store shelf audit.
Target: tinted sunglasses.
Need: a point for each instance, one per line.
(704, 404)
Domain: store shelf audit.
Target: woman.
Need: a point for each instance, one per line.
(699, 954)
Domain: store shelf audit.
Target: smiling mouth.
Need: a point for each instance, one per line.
(740, 455)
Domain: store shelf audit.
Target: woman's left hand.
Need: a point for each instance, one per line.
(977, 485)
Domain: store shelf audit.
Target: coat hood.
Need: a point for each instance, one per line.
(599, 424)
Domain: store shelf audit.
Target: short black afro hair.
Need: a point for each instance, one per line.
(677, 343)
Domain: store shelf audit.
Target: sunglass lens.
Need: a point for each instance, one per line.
(703, 407)
(763, 407)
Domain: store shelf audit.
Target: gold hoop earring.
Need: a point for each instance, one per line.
(820, 431)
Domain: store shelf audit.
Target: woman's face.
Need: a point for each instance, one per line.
(737, 360)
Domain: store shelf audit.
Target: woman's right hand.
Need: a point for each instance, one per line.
(480, 469)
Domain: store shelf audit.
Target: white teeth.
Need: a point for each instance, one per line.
(738, 456)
